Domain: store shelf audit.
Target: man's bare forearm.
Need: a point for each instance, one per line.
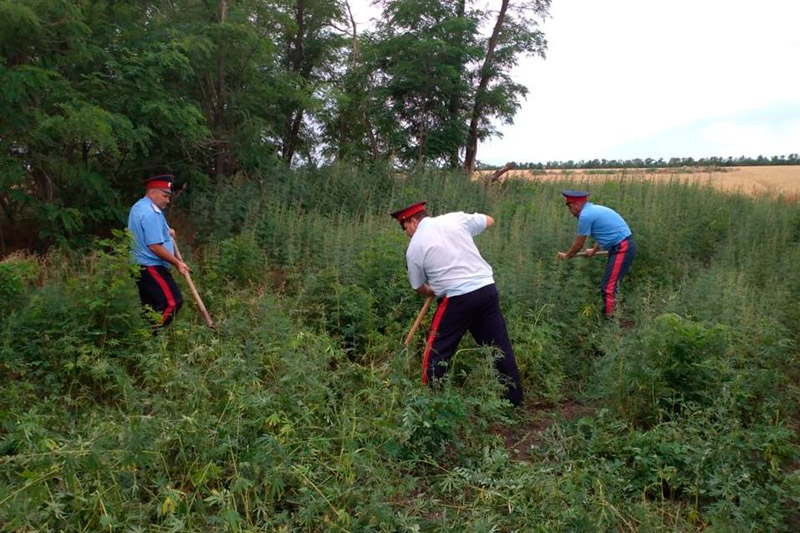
(161, 251)
(576, 247)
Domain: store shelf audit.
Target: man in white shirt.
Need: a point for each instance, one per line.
(443, 261)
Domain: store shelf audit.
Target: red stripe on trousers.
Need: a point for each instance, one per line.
(612, 279)
(168, 293)
(437, 319)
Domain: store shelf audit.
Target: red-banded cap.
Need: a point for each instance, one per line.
(575, 196)
(403, 214)
(161, 181)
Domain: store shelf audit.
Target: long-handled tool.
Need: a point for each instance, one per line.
(598, 252)
(195, 294)
(421, 314)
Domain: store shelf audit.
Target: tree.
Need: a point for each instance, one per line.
(311, 44)
(97, 95)
(422, 49)
(442, 82)
(237, 79)
(347, 128)
(58, 136)
(496, 96)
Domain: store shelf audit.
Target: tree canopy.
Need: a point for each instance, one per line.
(99, 94)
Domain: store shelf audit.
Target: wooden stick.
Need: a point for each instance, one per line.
(195, 294)
(598, 252)
(421, 314)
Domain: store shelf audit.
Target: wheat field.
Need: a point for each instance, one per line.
(755, 181)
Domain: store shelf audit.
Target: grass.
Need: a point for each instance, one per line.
(304, 412)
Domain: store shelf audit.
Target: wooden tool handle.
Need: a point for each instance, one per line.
(203, 311)
(421, 314)
(598, 252)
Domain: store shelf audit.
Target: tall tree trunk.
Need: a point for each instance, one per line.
(455, 99)
(477, 109)
(295, 58)
(6, 205)
(293, 133)
(220, 148)
(44, 184)
(422, 135)
(373, 142)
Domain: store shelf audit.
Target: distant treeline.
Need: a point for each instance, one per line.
(741, 161)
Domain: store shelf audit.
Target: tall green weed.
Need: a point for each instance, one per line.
(303, 411)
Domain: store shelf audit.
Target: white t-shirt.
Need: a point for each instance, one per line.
(443, 254)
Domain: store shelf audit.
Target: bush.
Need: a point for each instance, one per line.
(70, 332)
(668, 364)
(539, 355)
(346, 312)
(16, 272)
(242, 260)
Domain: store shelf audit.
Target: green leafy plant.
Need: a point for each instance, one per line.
(16, 273)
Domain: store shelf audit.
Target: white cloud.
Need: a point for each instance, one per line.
(623, 70)
(730, 137)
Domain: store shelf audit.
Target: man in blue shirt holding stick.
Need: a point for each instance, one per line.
(610, 232)
(154, 249)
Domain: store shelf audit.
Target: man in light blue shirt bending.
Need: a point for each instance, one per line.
(610, 232)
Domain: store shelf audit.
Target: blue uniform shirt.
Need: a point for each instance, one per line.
(149, 226)
(603, 224)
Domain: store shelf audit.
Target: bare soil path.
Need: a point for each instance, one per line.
(534, 421)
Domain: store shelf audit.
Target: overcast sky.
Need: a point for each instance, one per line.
(657, 78)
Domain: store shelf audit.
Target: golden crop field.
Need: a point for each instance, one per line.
(766, 180)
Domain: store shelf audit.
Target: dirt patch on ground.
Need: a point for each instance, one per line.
(534, 421)
(756, 181)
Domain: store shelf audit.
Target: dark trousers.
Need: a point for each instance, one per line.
(620, 257)
(479, 312)
(158, 290)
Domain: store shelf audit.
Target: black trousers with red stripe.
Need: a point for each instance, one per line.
(620, 257)
(479, 312)
(158, 290)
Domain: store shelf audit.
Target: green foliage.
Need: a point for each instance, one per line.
(98, 95)
(303, 411)
(16, 272)
(344, 311)
(664, 366)
(432, 423)
(423, 50)
(710, 472)
(241, 260)
(539, 354)
(63, 334)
